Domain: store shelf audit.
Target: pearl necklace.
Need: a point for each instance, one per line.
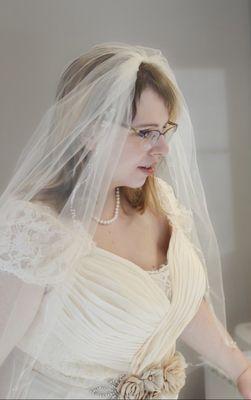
(109, 221)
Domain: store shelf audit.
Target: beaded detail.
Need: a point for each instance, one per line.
(150, 384)
(108, 389)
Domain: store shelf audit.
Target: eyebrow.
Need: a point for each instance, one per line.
(149, 124)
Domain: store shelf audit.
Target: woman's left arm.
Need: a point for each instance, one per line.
(203, 335)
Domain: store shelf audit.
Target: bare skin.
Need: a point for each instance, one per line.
(143, 239)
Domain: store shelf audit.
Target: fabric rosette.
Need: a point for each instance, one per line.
(174, 373)
(168, 379)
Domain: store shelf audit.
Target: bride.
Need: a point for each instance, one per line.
(103, 267)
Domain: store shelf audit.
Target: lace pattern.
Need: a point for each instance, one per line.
(162, 277)
(33, 244)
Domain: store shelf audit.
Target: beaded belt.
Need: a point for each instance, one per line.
(153, 383)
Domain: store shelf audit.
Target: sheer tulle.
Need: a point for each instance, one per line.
(82, 314)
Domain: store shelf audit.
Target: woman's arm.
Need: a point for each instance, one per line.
(203, 335)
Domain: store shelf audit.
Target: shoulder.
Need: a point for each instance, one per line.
(166, 194)
(179, 214)
(23, 216)
(165, 189)
(33, 242)
(162, 184)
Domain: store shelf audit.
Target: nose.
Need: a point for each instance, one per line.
(161, 147)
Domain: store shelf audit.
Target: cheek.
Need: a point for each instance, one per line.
(131, 155)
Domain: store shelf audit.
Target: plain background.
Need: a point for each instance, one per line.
(207, 43)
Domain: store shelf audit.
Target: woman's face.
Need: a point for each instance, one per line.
(151, 113)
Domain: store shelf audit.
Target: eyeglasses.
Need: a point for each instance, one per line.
(152, 136)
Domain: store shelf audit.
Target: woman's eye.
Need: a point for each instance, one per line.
(144, 133)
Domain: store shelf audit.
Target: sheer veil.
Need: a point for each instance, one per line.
(74, 152)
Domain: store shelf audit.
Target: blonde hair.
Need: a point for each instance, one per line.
(149, 75)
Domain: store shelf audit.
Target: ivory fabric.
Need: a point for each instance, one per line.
(114, 316)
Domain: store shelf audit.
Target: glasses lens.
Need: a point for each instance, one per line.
(154, 137)
(168, 134)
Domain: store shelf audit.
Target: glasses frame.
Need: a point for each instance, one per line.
(173, 126)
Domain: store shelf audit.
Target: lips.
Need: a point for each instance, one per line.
(148, 166)
(149, 170)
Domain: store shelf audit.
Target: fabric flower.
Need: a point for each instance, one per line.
(153, 379)
(131, 388)
(152, 383)
(174, 373)
(152, 395)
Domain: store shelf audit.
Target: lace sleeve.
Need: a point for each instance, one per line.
(35, 245)
(179, 214)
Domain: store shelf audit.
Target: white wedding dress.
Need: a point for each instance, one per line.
(115, 318)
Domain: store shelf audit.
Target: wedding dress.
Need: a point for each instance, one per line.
(116, 318)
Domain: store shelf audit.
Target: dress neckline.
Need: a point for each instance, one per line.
(161, 268)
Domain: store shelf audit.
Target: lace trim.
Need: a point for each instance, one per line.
(163, 280)
(160, 269)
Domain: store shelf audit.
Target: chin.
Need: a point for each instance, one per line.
(138, 185)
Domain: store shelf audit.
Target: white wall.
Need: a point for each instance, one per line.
(207, 44)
